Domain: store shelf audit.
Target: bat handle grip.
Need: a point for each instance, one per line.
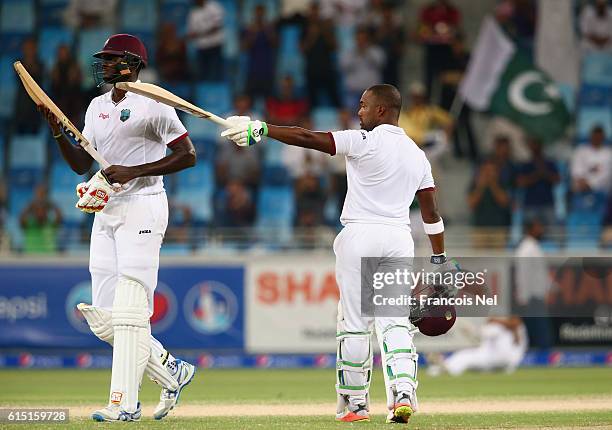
(220, 121)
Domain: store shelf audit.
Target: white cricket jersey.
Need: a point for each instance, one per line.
(134, 131)
(384, 170)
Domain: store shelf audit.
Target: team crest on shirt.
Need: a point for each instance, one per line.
(125, 114)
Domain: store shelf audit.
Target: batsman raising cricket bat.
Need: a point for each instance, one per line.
(132, 133)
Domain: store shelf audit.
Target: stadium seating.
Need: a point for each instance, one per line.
(589, 117)
(275, 214)
(49, 41)
(583, 230)
(51, 12)
(62, 183)
(24, 10)
(8, 86)
(195, 189)
(138, 16)
(90, 42)
(597, 69)
(325, 119)
(175, 11)
(28, 151)
(2, 152)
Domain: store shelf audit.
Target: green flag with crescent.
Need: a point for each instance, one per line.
(530, 99)
(503, 80)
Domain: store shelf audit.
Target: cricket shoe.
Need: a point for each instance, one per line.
(403, 408)
(115, 413)
(359, 414)
(168, 399)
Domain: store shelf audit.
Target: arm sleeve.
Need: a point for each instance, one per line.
(166, 125)
(88, 128)
(427, 182)
(352, 143)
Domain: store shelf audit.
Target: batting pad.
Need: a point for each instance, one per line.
(353, 367)
(101, 324)
(400, 362)
(132, 344)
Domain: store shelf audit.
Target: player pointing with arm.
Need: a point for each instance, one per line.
(131, 132)
(385, 169)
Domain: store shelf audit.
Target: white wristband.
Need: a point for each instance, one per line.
(435, 228)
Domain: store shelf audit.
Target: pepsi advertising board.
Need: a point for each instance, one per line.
(195, 307)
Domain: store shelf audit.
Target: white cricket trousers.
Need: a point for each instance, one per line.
(366, 240)
(125, 241)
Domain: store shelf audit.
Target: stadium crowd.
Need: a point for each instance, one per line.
(296, 63)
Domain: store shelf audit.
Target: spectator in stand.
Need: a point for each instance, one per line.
(518, 18)
(389, 35)
(235, 162)
(40, 221)
(596, 27)
(361, 68)
(26, 118)
(286, 108)
(301, 161)
(309, 203)
(234, 206)
(347, 13)
(318, 44)
(538, 177)
(179, 224)
(66, 86)
(490, 194)
(502, 156)
(82, 14)
(259, 41)
(533, 284)
(463, 134)
(606, 238)
(591, 165)
(439, 24)
(428, 125)
(171, 54)
(205, 30)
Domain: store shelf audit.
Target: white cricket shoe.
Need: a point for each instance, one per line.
(115, 413)
(168, 399)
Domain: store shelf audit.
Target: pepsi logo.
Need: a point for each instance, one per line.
(164, 308)
(80, 293)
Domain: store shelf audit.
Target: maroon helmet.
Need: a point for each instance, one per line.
(122, 44)
(437, 321)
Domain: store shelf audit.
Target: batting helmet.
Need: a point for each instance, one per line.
(438, 320)
(432, 319)
(122, 44)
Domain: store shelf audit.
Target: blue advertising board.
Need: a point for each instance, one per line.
(195, 307)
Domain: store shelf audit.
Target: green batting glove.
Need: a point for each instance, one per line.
(256, 129)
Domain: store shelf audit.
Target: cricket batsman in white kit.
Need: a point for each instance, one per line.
(131, 214)
(385, 170)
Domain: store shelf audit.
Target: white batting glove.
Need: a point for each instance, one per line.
(81, 188)
(96, 193)
(246, 133)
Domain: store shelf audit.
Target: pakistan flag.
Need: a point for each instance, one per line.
(503, 80)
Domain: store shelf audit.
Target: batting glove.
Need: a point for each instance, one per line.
(96, 193)
(246, 133)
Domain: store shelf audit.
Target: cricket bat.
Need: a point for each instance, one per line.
(39, 97)
(166, 97)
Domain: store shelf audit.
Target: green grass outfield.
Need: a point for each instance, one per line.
(260, 389)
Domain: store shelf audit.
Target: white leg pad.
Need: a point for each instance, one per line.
(157, 368)
(400, 362)
(99, 320)
(132, 344)
(353, 368)
(100, 323)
